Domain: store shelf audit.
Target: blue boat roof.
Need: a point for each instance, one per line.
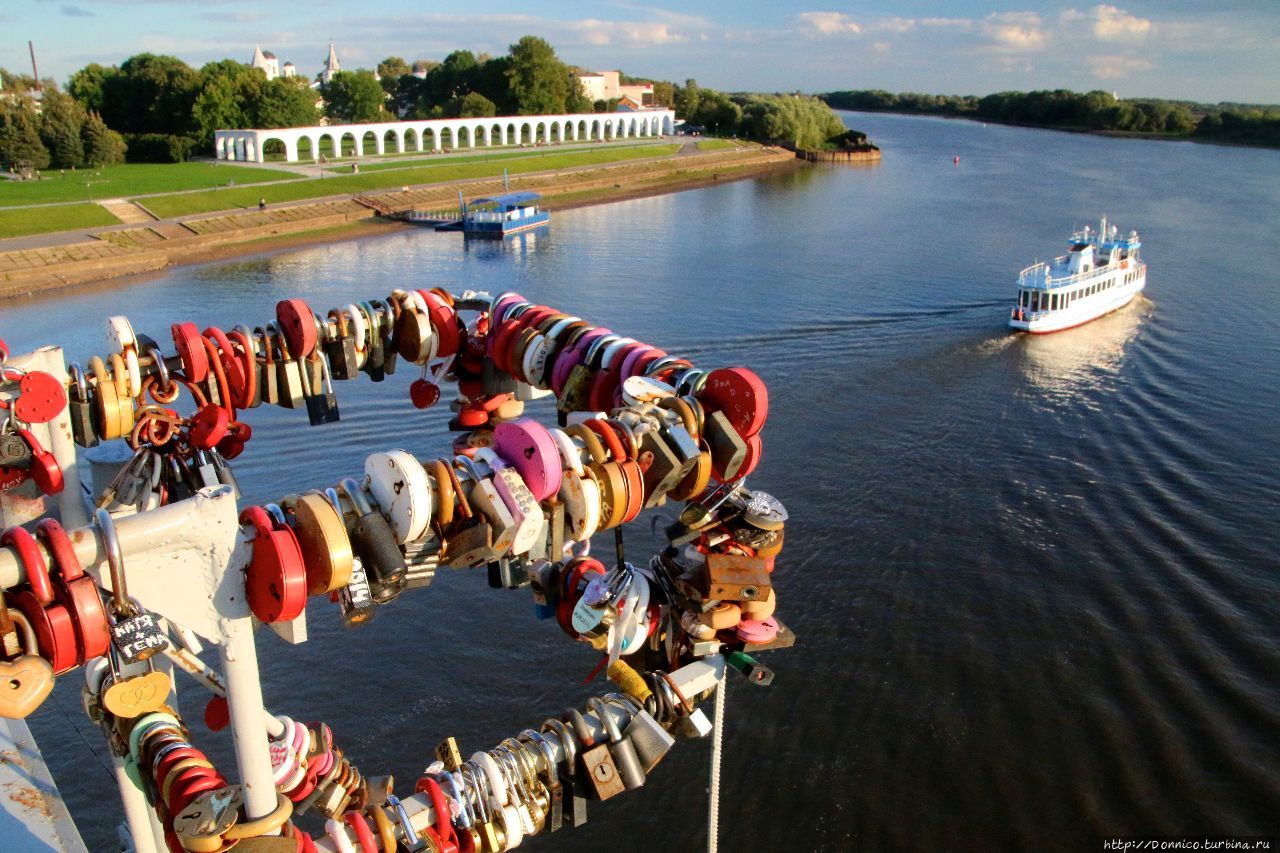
(508, 198)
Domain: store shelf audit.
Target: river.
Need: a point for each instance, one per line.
(1034, 579)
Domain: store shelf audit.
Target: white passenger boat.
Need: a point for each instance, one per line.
(1101, 273)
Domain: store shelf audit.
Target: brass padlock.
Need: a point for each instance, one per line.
(595, 761)
(620, 747)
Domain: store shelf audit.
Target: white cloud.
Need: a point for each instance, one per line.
(1015, 31)
(828, 23)
(1109, 23)
(894, 25)
(596, 32)
(1111, 67)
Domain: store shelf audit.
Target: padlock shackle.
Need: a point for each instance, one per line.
(120, 604)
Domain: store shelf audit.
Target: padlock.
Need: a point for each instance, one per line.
(728, 449)
(14, 452)
(574, 786)
(374, 347)
(131, 696)
(621, 749)
(276, 577)
(340, 347)
(289, 383)
(54, 628)
(733, 577)
(376, 545)
(695, 724)
(27, 680)
(44, 469)
(76, 591)
(595, 761)
(321, 401)
(268, 377)
(651, 741)
(134, 632)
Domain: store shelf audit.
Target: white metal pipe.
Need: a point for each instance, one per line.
(248, 720)
(209, 678)
(137, 812)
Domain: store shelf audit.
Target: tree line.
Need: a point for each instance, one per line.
(1094, 111)
(157, 108)
(793, 120)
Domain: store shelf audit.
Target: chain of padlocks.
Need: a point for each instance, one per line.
(637, 427)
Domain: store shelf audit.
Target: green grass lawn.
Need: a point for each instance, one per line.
(207, 202)
(130, 179)
(19, 223)
(714, 144)
(505, 152)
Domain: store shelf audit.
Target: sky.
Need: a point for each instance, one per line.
(1228, 50)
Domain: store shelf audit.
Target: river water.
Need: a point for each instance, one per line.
(1034, 579)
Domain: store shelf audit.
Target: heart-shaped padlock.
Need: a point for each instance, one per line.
(424, 394)
(26, 681)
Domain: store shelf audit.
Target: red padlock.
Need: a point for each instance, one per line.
(298, 323)
(442, 836)
(190, 346)
(45, 470)
(55, 632)
(208, 427)
(424, 394)
(11, 478)
(740, 395)
(276, 579)
(41, 398)
(232, 366)
(444, 322)
(76, 591)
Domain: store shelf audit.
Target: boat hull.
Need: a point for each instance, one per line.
(1060, 321)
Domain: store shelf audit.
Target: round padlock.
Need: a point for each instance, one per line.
(190, 346)
(741, 395)
(761, 631)
(527, 446)
(276, 579)
(402, 489)
(76, 591)
(298, 324)
(41, 398)
(208, 427)
(55, 632)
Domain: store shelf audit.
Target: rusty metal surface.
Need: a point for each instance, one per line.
(33, 817)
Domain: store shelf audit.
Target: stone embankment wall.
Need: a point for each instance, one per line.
(129, 251)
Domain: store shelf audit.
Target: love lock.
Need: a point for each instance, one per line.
(41, 398)
(276, 579)
(45, 470)
(26, 681)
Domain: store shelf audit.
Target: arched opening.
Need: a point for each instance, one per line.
(464, 137)
(368, 143)
(495, 135)
(596, 130)
(391, 143)
(305, 150)
(448, 138)
(540, 132)
(273, 150)
(412, 141)
(348, 145)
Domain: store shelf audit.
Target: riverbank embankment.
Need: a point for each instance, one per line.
(227, 234)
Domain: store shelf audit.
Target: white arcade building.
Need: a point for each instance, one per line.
(303, 143)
